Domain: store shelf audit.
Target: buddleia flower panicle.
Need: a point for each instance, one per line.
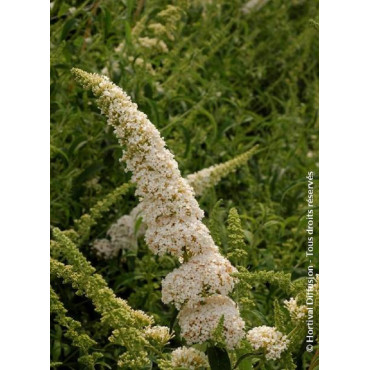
(121, 235)
(268, 339)
(105, 249)
(172, 216)
(211, 176)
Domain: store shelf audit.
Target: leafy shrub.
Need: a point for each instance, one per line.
(225, 80)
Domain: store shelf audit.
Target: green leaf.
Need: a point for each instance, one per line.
(138, 224)
(89, 172)
(218, 358)
(279, 316)
(128, 32)
(244, 362)
(68, 26)
(215, 222)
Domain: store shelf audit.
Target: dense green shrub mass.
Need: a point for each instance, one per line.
(221, 77)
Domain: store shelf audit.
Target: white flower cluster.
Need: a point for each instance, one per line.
(203, 275)
(296, 312)
(123, 231)
(253, 5)
(121, 235)
(172, 216)
(162, 31)
(153, 43)
(141, 63)
(198, 323)
(189, 358)
(269, 339)
(104, 248)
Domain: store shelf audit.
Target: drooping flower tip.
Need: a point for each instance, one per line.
(81, 76)
(170, 210)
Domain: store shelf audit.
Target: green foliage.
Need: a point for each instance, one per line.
(287, 361)
(218, 358)
(73, 332)
(280, 279)
(87, 221)
(295, 337)
(217, 336)
(125, 324)
(115, 313)
(214, 223)
(279, 317)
